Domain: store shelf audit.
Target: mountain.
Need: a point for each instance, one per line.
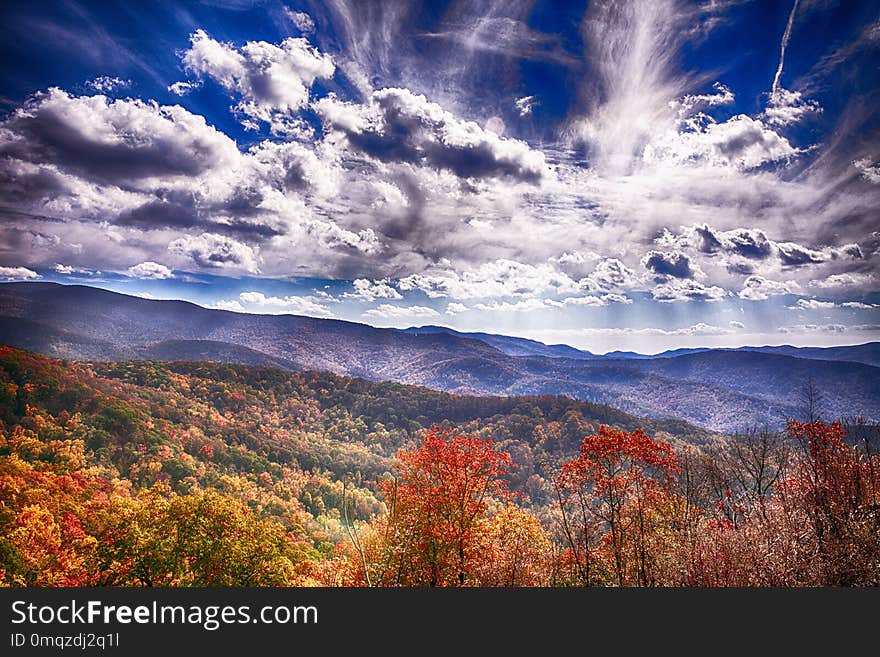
(868, 353)
(507, 344)
(723, 390)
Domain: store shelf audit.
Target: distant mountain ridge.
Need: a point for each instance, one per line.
(868, 353)
(718, 389)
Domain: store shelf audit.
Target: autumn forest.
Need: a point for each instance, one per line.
(144, 473)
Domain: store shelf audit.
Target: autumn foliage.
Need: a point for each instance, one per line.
(194, 474)
(612, 499)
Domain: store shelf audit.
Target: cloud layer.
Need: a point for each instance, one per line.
(343, 150)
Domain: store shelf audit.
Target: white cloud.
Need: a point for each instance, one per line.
(367, 290)
(785, 107)
(150, 270)
(297, 305)
(522, 305)
(17, 274)
(400, 126)
(690, 104)
(67, 270)
(227, 304)
(301, 20)
(608, 275)
(501, 278)
(454, 308)
(820, 328)
(525, 104)
(113, 141)
(700, 328)
(216, 251)
(858, 305)
(596, 301)
(183, 88)
(812, 304)
(273, 81)
(845, 280)
(870, 171)
(104, 84)
(758, 288)
(740, 142)
(389, 311)
(736, 325)
(686, 290)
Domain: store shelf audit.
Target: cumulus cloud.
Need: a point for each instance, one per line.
(845, 280)
(741, 142)
(107, 141)
(258, 302)
(68, 270)
(795, 255)
(746, 242)
(390, 311)
(216, 251)
(608, 275)
(686, 290)
(821, 328)
(150, 270)
(736, 325)
(367, 290)
(521, 305)
(858, 305)
(17, 274)
(675, 264)
(454, 308)
(232, 305)
(785, 107)
(182, 88)
(753, 244)
(758, 288)
(812, 304)
(273, 81)
(400, 126)
(501, 278)
(597, 301)
(105, 84)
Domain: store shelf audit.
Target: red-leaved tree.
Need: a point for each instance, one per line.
(436, 507)
(610, 496)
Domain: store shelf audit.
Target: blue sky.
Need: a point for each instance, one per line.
(628, 175)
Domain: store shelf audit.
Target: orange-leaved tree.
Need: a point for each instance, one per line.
(834, 489)
(610, 496)
(436, 507)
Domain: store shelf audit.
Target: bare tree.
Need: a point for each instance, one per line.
(812, 401)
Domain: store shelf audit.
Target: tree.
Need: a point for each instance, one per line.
(834, 487)
(614, 485)
(437, 503)
(515, 550)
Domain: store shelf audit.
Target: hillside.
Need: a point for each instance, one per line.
(723, 390)
(144, 473)
(259, 419)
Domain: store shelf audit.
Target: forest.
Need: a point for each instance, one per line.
(142, 473)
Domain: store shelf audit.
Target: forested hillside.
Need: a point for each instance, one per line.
(193, 473)
(717, 389)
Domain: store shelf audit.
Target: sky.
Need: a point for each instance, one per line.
(637, 175)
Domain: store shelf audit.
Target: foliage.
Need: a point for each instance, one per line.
(203, 474)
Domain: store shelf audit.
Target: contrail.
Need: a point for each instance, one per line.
(782, 46)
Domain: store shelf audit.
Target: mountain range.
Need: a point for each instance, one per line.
(720, 389)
